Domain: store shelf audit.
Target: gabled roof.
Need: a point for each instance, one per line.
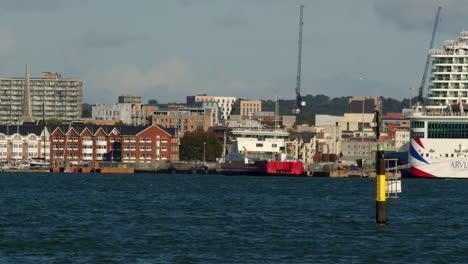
(80, 128)
(21, 129)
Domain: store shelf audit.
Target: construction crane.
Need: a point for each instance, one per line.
(299, 103)
(428, 60)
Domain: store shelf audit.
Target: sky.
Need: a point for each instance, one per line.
(169, 49)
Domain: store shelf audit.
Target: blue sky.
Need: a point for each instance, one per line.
(168, 49)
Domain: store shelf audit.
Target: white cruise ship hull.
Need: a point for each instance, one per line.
(438, 158)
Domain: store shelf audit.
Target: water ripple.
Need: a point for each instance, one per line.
(79, 218)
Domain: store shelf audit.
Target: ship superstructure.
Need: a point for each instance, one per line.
(449, 81)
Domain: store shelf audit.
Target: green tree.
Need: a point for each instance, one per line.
(192, 144)
(54, 121)
(120, 123)
(87, 110)
(153, 102)
(308, 119)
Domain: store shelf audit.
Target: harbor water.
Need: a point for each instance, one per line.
(143, 218)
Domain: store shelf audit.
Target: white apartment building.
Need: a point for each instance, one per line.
(130, 114)
(449, 82)
(327, 120)
(402, 136)
(224, 103)
(357, 121)
(329, 138)
(23, 143)
(49, 97)
(122, 112)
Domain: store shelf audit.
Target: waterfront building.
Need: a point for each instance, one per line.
(20, 143)
(354, 149)
(87, 143)
(328, 139)
(449, 81)
(302, 146)
(224, 103)
(183, 119)
(32, 99)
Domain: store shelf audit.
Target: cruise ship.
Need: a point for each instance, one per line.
(439, 129)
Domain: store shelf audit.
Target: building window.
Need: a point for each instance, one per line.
(259, 145)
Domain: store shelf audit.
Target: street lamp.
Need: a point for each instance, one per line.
(204, 146)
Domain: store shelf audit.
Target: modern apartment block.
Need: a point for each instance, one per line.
(246, 108)
(48, 97)
(449, 82)
(224, 103)
(184, 119)
(212, 108)
(88, 143)
(130, 114)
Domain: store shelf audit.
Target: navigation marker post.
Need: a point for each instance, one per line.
(380, 179)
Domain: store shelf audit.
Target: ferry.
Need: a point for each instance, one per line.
(259, 152)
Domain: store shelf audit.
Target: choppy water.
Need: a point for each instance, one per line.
(94, 218)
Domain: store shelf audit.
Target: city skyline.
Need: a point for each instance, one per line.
(166, 50)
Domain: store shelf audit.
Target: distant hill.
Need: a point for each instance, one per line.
(322, 104)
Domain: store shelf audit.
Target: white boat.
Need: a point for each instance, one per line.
(259, 151)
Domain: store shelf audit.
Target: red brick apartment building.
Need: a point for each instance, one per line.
(86, 143)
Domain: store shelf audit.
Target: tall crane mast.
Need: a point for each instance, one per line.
(428, 60)
(299, 102)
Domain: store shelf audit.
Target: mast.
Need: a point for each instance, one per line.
(299, 102)
(428, 60)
